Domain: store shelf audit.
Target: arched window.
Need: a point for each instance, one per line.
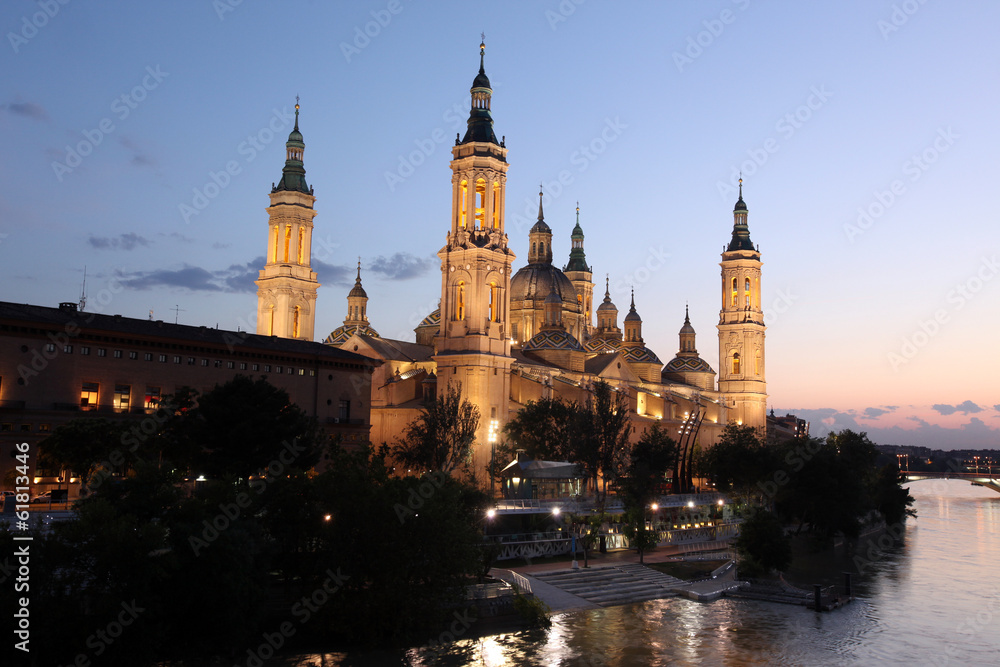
(480, 204)
(295, 322)
(736, 363)
(288, 239)
(746, 293)
(463, 205)
(494, 310)
(757, 363)
(274, 256)
(302, 244)
(270, 320)
(460, 301)
(735, 297)
(496, 205)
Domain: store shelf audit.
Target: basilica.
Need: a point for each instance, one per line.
(510, 334)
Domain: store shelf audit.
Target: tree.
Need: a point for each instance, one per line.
(242, 427)
(653, 455)
(544, 429)
(84, 446)
(762, 545)
(441, 438)
(740, 462)
(611, 427)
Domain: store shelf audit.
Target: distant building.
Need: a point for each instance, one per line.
(786, 428)
(58, 364)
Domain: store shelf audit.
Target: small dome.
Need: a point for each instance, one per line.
(537, 281)
(358, 290)
(432, 320)
(295, 138)
(687, 328)
(602, 345)
(740, 204)
(688, 365)
(541, 227)
(342, 333)
(632, 316)
(641, 355)
(552, 340)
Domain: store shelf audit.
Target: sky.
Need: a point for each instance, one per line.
(140, 140)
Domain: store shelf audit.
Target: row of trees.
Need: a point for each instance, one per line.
(825, 487)
(264, 551)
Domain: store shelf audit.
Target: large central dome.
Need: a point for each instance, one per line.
(536, 281)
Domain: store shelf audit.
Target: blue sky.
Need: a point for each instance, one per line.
(866, 133)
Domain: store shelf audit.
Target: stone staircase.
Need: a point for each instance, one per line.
(613, 585)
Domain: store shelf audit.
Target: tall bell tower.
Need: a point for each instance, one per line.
(286, 288)
(474, 340)
(741, 326)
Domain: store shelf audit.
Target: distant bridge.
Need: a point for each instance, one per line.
(976, 478)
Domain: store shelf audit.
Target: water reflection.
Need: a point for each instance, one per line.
(930, 599)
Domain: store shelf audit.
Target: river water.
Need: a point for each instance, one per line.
(931, 599)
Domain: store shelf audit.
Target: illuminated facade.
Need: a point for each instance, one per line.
(286, 288)
(510, 338)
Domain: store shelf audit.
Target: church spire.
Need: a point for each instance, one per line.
(577, 257)
(293, 176)
(540, 238)
(357, 303)
(480, 119)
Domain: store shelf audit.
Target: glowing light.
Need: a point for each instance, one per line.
(654, 507)
(556, 511)
(327, 517)
(491, 513)
(721, 503)
(690, 503)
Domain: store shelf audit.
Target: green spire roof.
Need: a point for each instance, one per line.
(293, 176)
(741, 232)
(480, 119)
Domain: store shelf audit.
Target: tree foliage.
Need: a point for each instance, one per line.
(762, 545)
(545, 429)
(441, 438)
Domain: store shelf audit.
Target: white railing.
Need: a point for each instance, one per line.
(522, 585)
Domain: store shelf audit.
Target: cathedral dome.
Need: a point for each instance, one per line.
(537, 281)
(358, 290)
(552, 340)
(688, 365)
(342, 333)
(640, 355)
(602, 345)
(432, 320)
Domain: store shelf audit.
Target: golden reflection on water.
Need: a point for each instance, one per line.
(934, 599)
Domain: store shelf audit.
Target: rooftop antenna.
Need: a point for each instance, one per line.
(83, 291)
(177, 310)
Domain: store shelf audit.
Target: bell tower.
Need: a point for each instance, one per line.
(741, 326)
(286, 288)
(473, 344)
(581, 275)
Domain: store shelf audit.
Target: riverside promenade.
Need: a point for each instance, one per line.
(617, 578)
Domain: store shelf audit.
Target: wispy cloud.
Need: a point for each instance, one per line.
(965, 408)
(26, 109)
(401, 266)
(873, 413)
(140, 157)
(126, 241)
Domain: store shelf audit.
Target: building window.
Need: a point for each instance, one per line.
(463, 204)
(68, 349)
(255, 367)
(50, 347)
(460, 301)
(513, 331)
(44, 428)
(204, 362)
(496, 205)
(480, 204)
(118, 354)
(85, 350)
(344, 410)
(277, 370)
(152, 400)
(88, 395)
(25, 428)
(243, 365)
(267, 368)
(746, 293)
(735, 297)
(177, 359)
(6, 427)
(102, 352)
(312, 373)
(230, 365)
(302, 245)
(121, 398)
(190, 361)
(736, 363)
(163, 358)
(288, 240)
(302, 371)
(295, 321)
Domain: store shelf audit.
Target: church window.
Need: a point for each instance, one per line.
(496, 205)
(746, 292)
(735, 297)
(757, 364)
(275, 255)
(270, 320)
(541, 247)
(463, 203)
(302, 245)
(494, 303)
(288, 239)
(534, 248)
(736, 363)
(295, 322)
(480, 204)
(513, 331)
(460, 301)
